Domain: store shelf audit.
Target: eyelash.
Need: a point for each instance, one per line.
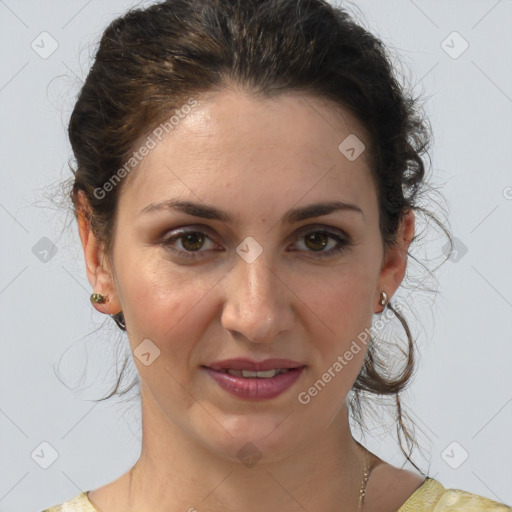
(343, 243)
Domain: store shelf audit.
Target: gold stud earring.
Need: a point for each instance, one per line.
(97, 298)
(383, 299)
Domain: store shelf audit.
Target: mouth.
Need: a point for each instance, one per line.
(250, 374)
(255, 385)
(244, 363)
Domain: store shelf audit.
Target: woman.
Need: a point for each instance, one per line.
(246, 181)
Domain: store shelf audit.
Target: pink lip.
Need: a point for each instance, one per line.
(248, 364)
(255, 388)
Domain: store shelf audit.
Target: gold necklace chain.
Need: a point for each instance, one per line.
(362, 491)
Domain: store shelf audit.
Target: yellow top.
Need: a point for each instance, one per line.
(430, 496)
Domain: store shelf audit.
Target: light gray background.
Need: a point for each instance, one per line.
(463, 388)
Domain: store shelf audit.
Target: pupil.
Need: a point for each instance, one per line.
(316, 237)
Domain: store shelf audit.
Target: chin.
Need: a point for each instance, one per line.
(250, 438)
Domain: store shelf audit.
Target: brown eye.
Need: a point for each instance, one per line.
(192, 241)
(324, 244)
(317, 241)
(194, 244)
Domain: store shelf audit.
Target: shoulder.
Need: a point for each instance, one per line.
(400, 490)
(389, 487)
(455, 500)
(79, 503)
(431, 496)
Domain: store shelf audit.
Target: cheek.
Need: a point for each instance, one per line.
(340, 318)
(164, 303)
(344, 303)
(337, 315)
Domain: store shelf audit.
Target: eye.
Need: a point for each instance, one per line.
(318, 240)
(192, 241)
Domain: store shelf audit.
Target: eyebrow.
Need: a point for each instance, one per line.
(210, 212)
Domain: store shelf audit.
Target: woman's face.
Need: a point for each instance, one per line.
(287, 292)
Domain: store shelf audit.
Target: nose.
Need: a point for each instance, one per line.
(258, 304)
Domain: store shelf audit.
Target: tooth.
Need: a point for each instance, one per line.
(267, 374)
(249, 373)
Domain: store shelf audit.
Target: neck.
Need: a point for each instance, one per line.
(177, 471)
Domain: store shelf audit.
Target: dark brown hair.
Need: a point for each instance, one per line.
(151, 61)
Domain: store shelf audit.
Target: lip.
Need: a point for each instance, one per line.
(248, 364)
(255, 388)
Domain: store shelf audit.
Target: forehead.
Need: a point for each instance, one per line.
(235, 143)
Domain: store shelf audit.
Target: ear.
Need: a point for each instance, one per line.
(98, 271)
(395, 259)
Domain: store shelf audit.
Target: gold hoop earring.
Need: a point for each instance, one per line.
(119, 320)
(97, 298)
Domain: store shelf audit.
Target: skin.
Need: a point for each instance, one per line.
(255, 159)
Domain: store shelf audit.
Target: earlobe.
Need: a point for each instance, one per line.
(98, 273)
(395, 262)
